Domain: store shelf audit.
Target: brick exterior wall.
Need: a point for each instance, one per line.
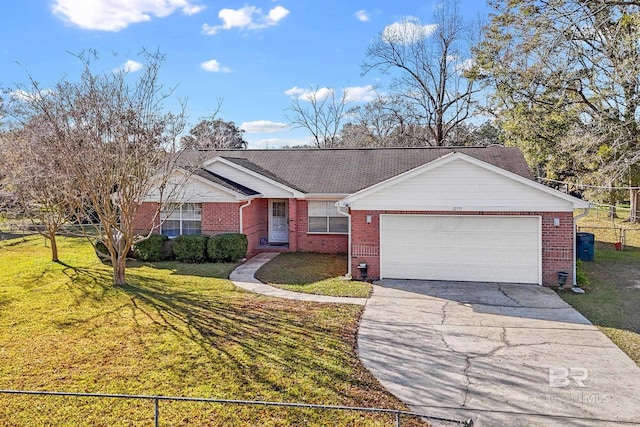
(219, 218)
(144, 219)
(306, 242)
(557, 242)
(255, 218)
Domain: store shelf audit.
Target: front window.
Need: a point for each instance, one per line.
(181, 219)
(325, 218)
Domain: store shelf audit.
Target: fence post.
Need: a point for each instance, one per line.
(397, 418)
(156, 412)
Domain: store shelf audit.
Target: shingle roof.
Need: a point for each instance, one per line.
(225, 182)
(345, 171)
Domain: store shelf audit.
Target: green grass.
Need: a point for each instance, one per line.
(174, 330)
(613, 299)
(606, 230)
(312, 273)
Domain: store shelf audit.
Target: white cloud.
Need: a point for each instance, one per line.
(360, 93)
(318, 94)
(409, 30)
(193, 9)
(214, 66)
(23, 95)
(465, 65)
(263, 126)
(131, 66)
(353, 93)
(295, 91)
(362, 15)
(115, 15)
(247, 18)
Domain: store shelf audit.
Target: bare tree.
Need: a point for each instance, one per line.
(37, 179)
(213, 133)
(117, 142)
(384, 122)
(321, 112)
(428, 64)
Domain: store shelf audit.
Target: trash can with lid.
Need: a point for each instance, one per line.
(585, 246)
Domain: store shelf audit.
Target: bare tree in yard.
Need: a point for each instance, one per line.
(213, 133)
(427, 64)
(321, 112)
(566, 68)
(118, 145)
(36, 177)
(383, 122)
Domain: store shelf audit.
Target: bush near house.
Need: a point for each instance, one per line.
(231, 247)
(190, 248)
(150, 249)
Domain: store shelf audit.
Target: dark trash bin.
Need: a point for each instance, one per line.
(562, 278)
(585, 244)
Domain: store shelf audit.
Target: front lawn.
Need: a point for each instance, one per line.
(174, 330)
(612, 302)
(312, 273)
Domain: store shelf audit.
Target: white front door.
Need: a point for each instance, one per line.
(278, 221)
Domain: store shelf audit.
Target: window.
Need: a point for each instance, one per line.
(324, 218)
(181, 219)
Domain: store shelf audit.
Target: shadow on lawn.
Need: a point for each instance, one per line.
(255, 335)
(266, 344)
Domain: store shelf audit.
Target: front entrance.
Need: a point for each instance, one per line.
(278, 221)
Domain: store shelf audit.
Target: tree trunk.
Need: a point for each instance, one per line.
(54, 247)
(613, 213)
(633, 205)
(119, 268)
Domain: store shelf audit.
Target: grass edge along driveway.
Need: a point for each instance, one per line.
(612, 300)
(312, 273)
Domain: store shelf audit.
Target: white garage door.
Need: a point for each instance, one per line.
(465, 248)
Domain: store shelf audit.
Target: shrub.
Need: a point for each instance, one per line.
(150, 249)
(581, 276)
(190, 248)
(101, 250)
(230, 247)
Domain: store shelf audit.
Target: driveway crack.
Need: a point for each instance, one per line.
(507, 296)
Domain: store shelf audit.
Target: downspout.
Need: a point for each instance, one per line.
(348, 215)
(575, 250)
(241, 208)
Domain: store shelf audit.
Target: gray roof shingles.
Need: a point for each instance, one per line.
(346, 171)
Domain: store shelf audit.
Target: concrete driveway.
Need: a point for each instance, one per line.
(500, 354)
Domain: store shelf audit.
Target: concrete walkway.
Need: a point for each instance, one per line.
(244, 277)
(504, 355)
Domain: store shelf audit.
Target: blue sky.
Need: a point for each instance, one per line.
(253, 54)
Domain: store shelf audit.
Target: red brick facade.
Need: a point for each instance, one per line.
(147, 217)
(557, 242)
(312, 242)
(255, 223)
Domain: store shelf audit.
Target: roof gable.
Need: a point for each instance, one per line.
(457, 182)
(259, 181)
(199, 187)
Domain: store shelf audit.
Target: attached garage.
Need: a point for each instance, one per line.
(461, 248)
(459, 218)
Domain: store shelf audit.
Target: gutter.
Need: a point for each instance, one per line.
(241, 208)
(348, 215)
(575, 250)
